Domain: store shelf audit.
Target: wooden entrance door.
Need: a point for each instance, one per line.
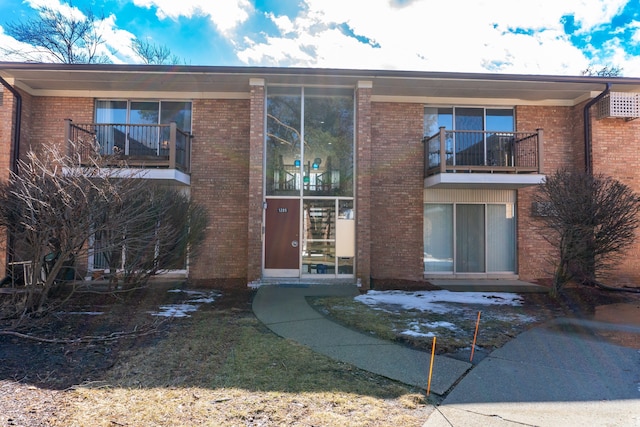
(282, 235)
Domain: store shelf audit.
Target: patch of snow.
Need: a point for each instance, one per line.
(416, 328)
(175, 310)
(189, 306)
(415, 334)
(436, 301)
(447, 325)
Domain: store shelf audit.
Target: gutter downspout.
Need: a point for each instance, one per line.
(587, 129)
(15, 156)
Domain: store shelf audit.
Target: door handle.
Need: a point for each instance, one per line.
(294, 243)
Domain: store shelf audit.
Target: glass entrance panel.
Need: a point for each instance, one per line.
(438, 237)
(309, 156)
(328, 142)
(319, 244)
(470, 235)
(283, 141)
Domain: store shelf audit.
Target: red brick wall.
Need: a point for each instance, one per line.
(397, 191)
(615, 153)
(364, 167)
(219, 172)
(44, 120)
(563, 149)
(256, 150)
(7, 108)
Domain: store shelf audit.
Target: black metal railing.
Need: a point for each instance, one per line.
(483, 151)
(129, 145)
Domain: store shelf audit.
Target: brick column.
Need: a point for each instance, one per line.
(256, 155)
(7, 128)
(363, 182)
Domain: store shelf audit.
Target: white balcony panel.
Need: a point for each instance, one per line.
(483, 180)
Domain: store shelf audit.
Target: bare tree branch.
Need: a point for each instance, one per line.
(59, 37)
(152, 53)
(56, 210)
(114, 336)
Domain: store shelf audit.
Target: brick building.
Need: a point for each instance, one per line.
(340, 174)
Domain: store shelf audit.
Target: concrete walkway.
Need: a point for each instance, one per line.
(285, 311)
(547, 376)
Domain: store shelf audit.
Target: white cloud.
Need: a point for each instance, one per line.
(499, 36)
(56, 5)
(226, 15)
(118, 42)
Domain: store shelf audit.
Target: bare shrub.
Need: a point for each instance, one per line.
(53, 210)
(590, 220)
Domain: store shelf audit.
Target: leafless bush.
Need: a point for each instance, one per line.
(53, 210)
(590, 220)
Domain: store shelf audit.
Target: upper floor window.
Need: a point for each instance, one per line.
(468, 118)
(144, 112)
(140, 128)
(309, 141)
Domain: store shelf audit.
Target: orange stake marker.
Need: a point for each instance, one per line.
(475, 335)
(433, 351)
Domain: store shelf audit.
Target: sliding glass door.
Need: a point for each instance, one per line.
(469, 238)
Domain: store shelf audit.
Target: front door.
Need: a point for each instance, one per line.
(282, 238)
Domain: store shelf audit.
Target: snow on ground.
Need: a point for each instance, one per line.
(435, 301)
(416, 328)
(438, 302)
(189, 306)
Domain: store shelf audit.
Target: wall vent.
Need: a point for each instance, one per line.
(619, 104)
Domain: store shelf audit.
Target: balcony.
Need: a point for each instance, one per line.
(150, 151)
(480, 159)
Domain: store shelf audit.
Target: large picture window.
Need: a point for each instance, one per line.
(309, 142)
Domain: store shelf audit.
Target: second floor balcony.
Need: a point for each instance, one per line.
(483, 159)
(155, 151)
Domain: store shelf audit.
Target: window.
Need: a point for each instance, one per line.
(469, 238)
(468, 118)
(309, 143)
(131, 127)
(469, 231)
(475, 136)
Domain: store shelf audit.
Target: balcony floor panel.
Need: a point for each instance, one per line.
(483, 180)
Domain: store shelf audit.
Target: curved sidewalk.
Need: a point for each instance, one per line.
(284, 310)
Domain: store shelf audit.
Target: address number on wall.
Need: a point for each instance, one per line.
(283, 210)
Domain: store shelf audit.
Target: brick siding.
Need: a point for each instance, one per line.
(364, 167)
(219, 171)
(397, 191)
(227, 178)
(615, 153)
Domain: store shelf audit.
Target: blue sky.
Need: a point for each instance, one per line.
(503, 36)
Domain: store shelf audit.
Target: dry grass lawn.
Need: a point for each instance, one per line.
(220, 367)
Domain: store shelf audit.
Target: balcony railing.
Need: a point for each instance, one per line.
(129, 145)
(478, 151)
